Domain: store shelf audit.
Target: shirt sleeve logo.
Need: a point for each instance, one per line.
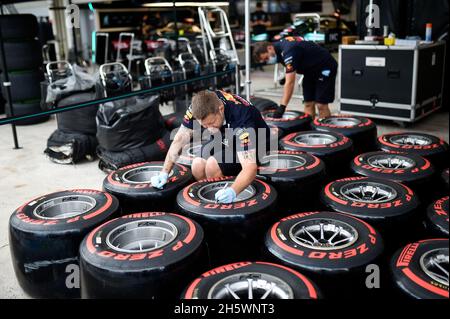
(229, 97)
(188, 115)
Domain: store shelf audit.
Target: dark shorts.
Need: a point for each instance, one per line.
(318, 87)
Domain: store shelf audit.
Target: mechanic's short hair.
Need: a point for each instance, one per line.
(205, 103)
(260, 48)
(259, 4)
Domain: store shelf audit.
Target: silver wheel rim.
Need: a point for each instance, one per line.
(281, 161)
(65, 207)
(410, 139)
(251, 286)
(207, 192)
(323, 234)
(342, 121)
(142, 175)
(141, 236)
(288, 115)
(315, 139)
(368, 192)
(435, 265)
(388, 161)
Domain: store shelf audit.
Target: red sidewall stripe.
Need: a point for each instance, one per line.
(282, 245)
(330, 195)
(315, 164)
(89, 242)
(102, 209)
(190, 291)
(419, 281)
(192, 228)
(188, 198)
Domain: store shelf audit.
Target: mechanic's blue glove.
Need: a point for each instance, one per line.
(225, 195)
(160, 180)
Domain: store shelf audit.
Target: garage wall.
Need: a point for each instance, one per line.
(38, 8)
(327, 8)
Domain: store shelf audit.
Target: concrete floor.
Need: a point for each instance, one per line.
(27, 173)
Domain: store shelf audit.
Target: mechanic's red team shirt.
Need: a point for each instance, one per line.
(240, 115)
(303, 57)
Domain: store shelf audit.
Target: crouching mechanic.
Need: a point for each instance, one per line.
(238, 129)
(303, 57)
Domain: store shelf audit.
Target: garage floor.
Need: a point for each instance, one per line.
(27, 173)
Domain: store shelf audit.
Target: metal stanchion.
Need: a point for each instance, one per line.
(247, 49)
(7, 86)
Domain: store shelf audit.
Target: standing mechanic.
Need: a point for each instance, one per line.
(303, 57)
(218, 111)
(260, 20)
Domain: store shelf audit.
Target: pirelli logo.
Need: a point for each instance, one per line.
(407, 254)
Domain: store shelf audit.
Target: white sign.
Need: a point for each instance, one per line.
(376, 62)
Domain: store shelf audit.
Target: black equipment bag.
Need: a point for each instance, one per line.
(70, 148)
(129, 123)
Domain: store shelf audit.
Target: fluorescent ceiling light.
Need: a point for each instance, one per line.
(187, 4)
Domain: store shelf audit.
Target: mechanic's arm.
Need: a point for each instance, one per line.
(249, 169)
(182, 138)
(289, 87)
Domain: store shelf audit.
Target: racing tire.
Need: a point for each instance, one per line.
(27, 109)
(131, 185)
(24, 55)
(387, 205)
(415, 273)
(260, 277)
(445, 179)
(292, 121)
(409, 169)
(329, 265)
(263, 104)
(336, 150)
(189, 152)
(296, 176)
(437, 217)
(44, 237)
(19, 26)
(144, 255)
(276, 132)
(435, 149)
(362, 131)
(235, 228)
(173, 120)
(25, 85)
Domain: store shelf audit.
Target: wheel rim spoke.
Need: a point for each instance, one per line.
(250, 288)
(309, 234)
(232, 293)
(268, 292)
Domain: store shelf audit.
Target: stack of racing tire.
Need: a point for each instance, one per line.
(23, 61)
(129, 130)
(390, 191)
(379, 219)
(75, 138)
